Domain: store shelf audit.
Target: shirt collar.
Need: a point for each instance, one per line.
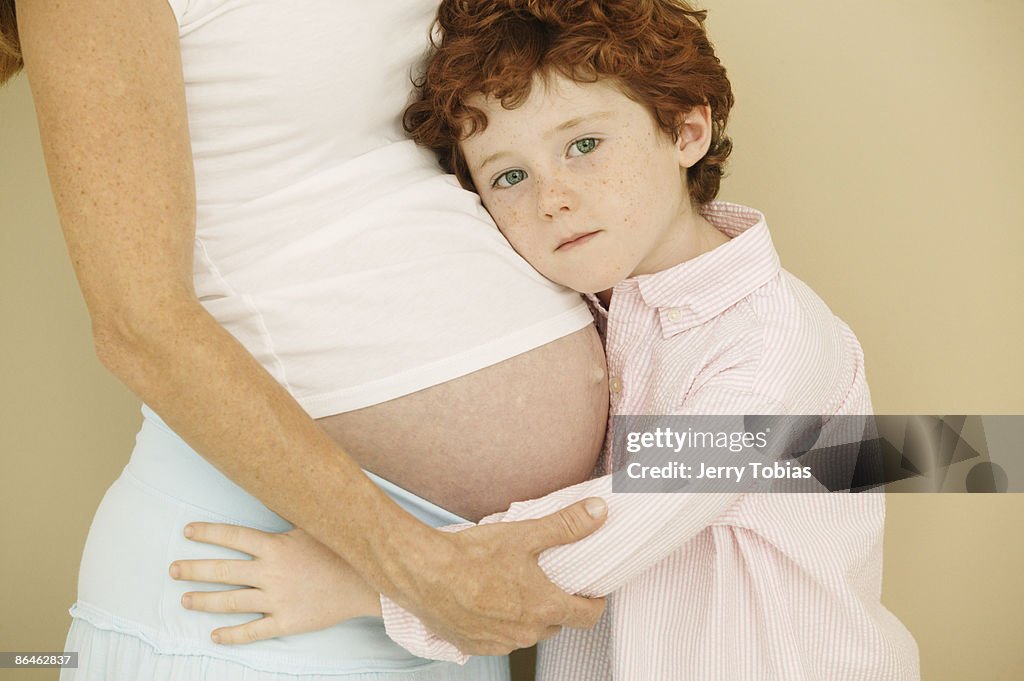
(694, 292)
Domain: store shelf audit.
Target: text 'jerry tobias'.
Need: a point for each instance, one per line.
(680, 471)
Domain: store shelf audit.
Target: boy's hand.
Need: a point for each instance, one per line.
(297, 583)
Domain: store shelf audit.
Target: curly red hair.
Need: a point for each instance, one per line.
(657, 50)
(10, 46)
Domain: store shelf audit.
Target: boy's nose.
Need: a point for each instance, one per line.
(556, 198)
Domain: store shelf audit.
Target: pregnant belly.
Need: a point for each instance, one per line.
(513, 431)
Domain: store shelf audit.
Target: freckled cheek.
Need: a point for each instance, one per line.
(626, 201)
(505, 216)
(519, 232)
(602, 198)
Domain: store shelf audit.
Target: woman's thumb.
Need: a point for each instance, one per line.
(572, 523)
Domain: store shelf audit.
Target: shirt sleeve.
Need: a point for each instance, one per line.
(640, 531)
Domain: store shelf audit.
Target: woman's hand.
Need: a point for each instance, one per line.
(483, 591)
(297, 583)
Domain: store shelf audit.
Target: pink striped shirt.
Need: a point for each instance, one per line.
(721, 586)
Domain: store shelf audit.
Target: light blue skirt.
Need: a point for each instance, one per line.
(128, 619)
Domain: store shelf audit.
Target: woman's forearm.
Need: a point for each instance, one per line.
(217, 397)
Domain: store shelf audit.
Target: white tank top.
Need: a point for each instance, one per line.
(333, 248)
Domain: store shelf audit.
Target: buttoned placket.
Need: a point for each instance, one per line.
(628, 343)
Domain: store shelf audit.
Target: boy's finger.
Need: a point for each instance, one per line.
(237, 537)
(233, 600)
(215, 571)
(258, 630)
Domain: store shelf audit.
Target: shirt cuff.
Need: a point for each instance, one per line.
(408, 631)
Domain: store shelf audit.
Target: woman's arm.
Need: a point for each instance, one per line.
(107, 82)
(642, 529)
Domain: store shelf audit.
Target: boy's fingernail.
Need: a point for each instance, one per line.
(186, 601)
(595, 507)
(175, 571)
(215, 637)
(189, 530)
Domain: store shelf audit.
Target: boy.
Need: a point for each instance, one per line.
(594, 134)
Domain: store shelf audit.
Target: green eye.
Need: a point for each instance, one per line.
(509, 178)
(585, 145)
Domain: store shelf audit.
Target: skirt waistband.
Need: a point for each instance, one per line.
(166, 463)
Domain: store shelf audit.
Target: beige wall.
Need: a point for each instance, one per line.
(881, 138)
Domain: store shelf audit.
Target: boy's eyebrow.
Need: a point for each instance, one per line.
(493, 157)
(571, 123)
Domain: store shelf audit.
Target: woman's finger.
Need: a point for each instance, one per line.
(548, 633)
(237, 537)
(568, 525)
(258, 630)
(216, 571)
(233, 600)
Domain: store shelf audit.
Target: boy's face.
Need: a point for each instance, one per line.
(583, 183)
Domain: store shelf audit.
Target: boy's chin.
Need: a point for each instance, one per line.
(591, 286)
(584, 277)
(592, 281)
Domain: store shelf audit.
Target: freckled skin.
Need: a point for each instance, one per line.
(612, 172)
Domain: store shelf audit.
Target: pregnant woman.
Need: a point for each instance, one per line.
(259, 246)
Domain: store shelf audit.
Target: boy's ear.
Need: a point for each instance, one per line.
(693, 137)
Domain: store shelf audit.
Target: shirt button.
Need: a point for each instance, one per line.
(673, 315)
(615, 384)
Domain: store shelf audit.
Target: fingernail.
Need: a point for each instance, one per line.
(215, 637)
(189, 530)
(595, 507)
(175, 571)
(186, 601)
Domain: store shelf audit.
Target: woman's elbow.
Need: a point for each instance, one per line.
(113, 347)
(127, 339)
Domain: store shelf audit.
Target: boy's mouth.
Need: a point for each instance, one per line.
(576, 240)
